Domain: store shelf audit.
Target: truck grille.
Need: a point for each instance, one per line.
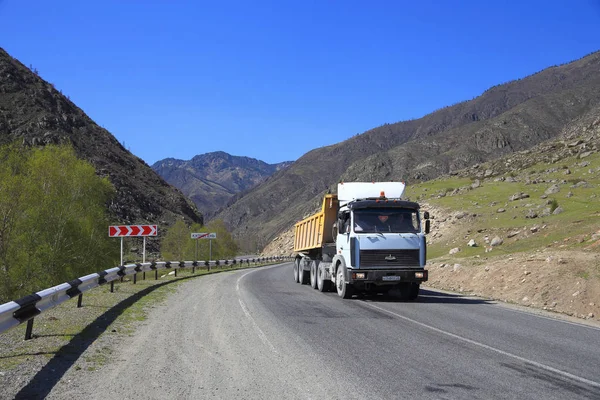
(389, 258)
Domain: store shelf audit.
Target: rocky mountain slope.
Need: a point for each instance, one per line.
(506, 118)
(34, 113)
(211, 179)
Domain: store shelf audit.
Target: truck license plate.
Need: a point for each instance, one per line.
(390, 278)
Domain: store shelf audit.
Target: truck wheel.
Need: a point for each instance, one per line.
(413, 291)
(302, 274)
(313, 273)
(343, 290)
(296, 268)
(324, 285)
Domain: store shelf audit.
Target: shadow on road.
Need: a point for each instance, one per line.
(42, 383)
(429, 296)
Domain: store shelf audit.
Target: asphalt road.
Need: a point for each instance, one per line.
(255, 334)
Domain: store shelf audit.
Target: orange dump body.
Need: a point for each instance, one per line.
(313, 232)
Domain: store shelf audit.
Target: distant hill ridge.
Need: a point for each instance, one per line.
(506, 118)
(34, 113)
(210, 180)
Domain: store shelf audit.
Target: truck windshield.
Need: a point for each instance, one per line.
(396, 220)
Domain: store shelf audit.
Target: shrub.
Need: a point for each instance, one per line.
(553, 205)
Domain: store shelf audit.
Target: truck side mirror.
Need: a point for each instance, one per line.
(427, 226)
(426, 215)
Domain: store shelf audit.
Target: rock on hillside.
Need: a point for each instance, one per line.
(34, 113)
(506, 118)
(211, 179)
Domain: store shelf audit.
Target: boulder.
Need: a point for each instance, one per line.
(552, 189)
(558, 210)
(472, 243)
(531, 214)
(518, 196)
(497, 241)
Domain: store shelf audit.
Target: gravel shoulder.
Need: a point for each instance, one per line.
(69, 342)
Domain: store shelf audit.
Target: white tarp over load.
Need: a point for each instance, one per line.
(349, 191)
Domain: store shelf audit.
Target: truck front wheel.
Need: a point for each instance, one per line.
(413, 291)
(343, 289)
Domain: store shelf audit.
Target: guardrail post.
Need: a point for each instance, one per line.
(79, 300)
(144, 275)
(155, 274)
(175, 272)
(112, 286)
(29, 329)
(134, 279)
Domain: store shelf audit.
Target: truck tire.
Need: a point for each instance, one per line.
(296, 268)
(303, 277)
(413, 292)
(314, 265)
(343, 290)
(323, 285)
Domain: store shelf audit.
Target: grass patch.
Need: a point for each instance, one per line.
(580, 204)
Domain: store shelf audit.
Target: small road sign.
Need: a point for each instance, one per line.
(132, 230)
(212, 235)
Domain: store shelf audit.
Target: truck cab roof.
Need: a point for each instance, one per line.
(382, 203)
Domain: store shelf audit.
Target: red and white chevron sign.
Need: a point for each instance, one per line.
(132, 230)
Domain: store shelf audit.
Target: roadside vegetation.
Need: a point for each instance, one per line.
(178, 245)
(53, 219)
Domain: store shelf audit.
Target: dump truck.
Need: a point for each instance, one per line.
(365, 239)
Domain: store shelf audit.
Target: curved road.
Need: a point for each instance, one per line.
(255, 334)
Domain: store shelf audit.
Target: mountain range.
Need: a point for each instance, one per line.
(504, 119)
(211, 179)
(258, 201)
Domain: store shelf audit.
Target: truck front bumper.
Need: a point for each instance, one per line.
(386, 276)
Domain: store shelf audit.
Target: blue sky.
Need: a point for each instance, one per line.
(274, 79)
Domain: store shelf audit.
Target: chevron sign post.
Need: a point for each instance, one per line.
(132, 230)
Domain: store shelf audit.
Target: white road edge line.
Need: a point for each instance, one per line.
(485, 346)
(261, 334)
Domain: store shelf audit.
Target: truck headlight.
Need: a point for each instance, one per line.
(419, 275)
(359, 275)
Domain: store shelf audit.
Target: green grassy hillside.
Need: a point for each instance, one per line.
(578, 183)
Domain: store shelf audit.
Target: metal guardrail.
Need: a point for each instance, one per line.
(27, 308)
